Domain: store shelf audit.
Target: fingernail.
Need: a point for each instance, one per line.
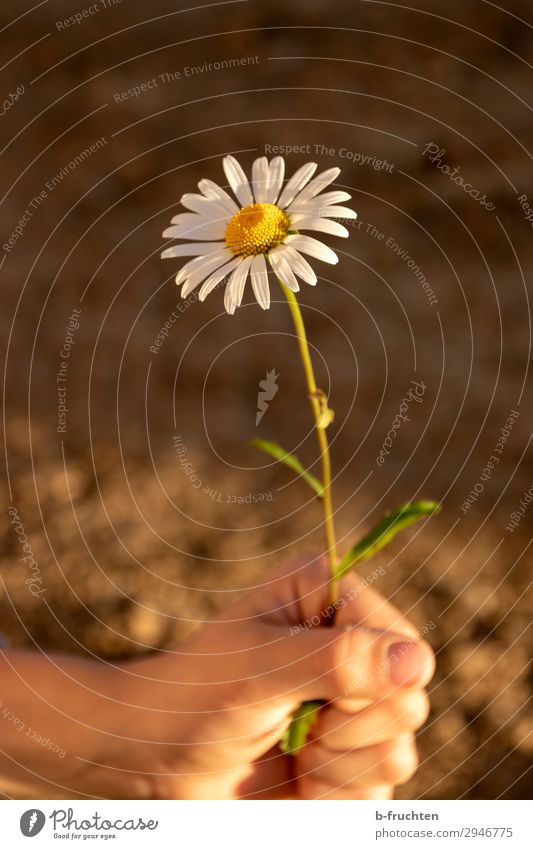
(407, 661)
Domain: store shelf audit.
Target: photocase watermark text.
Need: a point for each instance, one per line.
(35, 581)
(415, 393)
(11, 99)
(436, 155)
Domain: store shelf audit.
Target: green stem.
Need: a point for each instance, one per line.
(329, 526)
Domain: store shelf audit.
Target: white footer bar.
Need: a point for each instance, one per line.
(268, 825)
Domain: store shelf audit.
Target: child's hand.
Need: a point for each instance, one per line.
(204, 722)
(238, 681)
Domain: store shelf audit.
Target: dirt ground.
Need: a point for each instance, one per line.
(135, 550)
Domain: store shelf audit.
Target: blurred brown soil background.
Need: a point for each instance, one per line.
(134, 553)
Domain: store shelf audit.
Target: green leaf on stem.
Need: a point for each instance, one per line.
(296, 734)
(384, 531)
(278, 453)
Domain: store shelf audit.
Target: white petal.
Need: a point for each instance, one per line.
(299, 265)
(275, 178)
(189, 218)
(192, 266)
(237, 180)
(207, 264)
(296, 183)
(282, 269)
(312, 247)
(198, 218)
(324, 200)
(212, 190)
(216, 277)
(319, 183)
(199, 204)
(192, 249)
(321, 225)
(200, 274)
(205, 206)
(209, 230)
(336, 196)
(260, 179)
(325, 211)
(259, 274)
(188, 268)
(235, 285)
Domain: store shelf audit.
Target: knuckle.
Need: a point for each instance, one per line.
(335, 656)
(400, 763)
(230, 698)
(414, 709)
(355, 662)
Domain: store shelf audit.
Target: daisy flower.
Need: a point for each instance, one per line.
(236, 237)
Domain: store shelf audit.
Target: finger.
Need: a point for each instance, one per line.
(338, 730)
(330, 663)
(393, 762)
(310, 788)
(298, 592)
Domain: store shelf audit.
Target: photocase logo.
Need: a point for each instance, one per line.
(32, 822)
(267, 389)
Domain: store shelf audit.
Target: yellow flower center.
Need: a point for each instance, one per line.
(256, 228)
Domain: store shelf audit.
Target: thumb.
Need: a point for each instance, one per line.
(334, 663)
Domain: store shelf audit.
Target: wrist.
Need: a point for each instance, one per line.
(51, 710)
